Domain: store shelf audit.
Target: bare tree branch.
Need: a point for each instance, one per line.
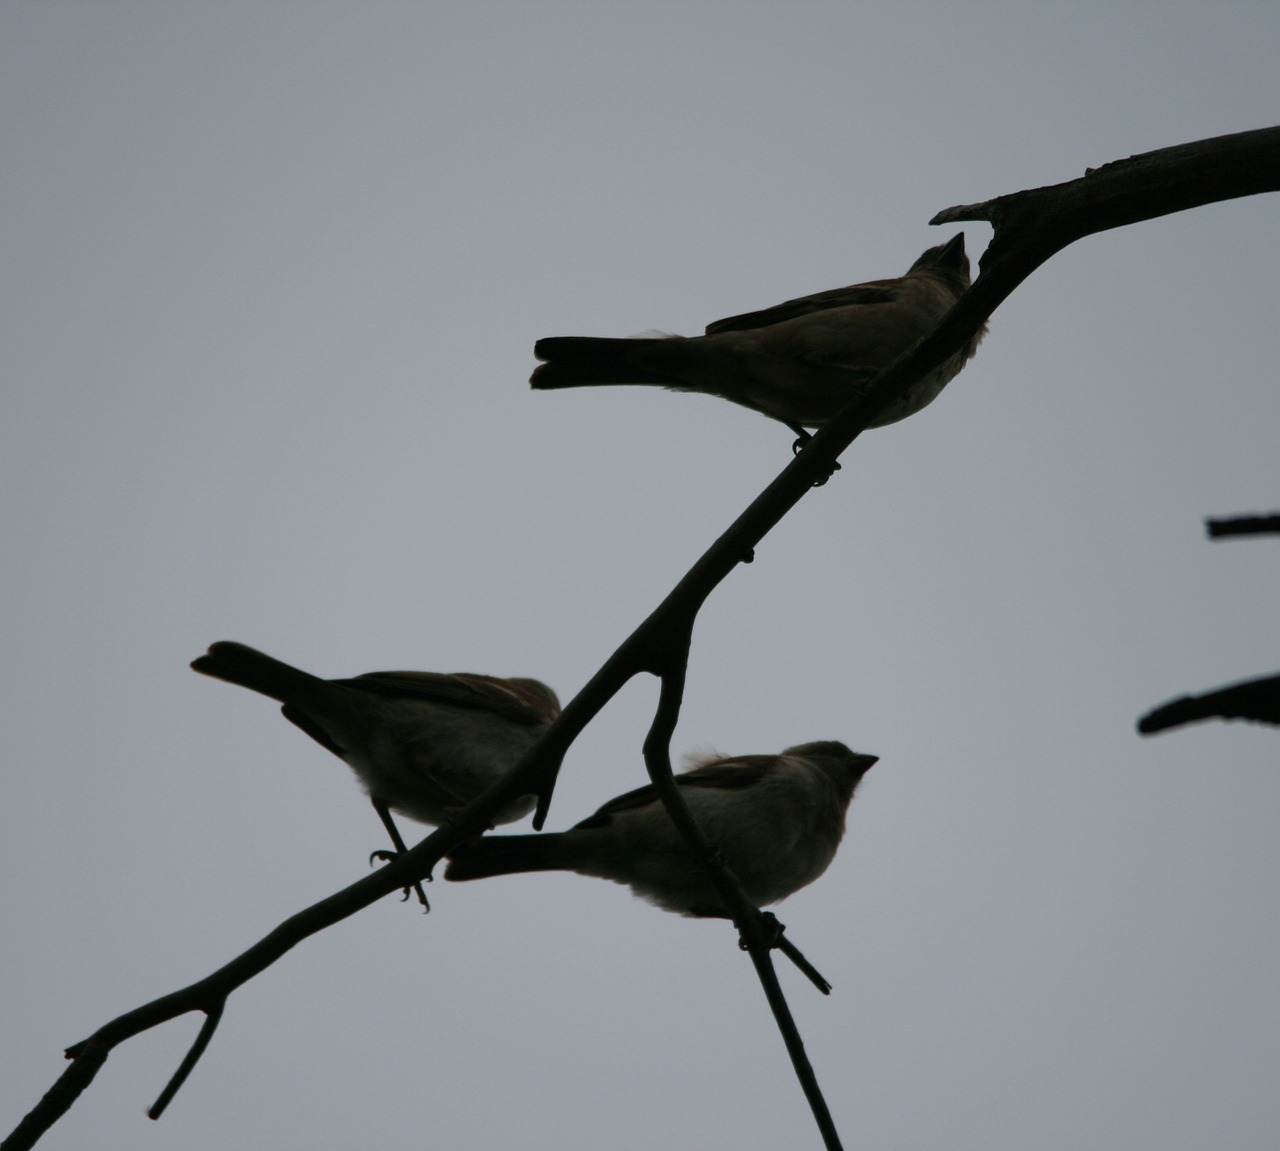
(1252, 699)
(1142, 187)
(211, 1020)
(1257, 700)
(209, 994)
(1243, 526)
(1030, 227)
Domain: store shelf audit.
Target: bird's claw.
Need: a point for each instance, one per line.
(774, 927)
(803, 439)
(382, 855)
(835, 467)
(773, 930)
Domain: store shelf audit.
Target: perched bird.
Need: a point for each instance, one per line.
(799, 362)
(776, 820)
(421, 743)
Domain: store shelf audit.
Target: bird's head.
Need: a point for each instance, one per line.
(947, 259)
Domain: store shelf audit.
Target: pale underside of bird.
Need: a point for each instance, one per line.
(776, 821)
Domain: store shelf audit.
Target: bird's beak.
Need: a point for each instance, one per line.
(953, 251)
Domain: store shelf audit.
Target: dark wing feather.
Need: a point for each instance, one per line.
(459, 690)
(722, 774)
(875, 292)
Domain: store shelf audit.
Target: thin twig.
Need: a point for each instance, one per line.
(792, 952)
(1243, 526)
(211, 1020)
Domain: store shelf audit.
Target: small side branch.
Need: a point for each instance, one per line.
(1257, 700)
(1243, 526)
(211, 1020)
(807, 969)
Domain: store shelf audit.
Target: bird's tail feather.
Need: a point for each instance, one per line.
(247, 667)
(580, 361)
(506, 855)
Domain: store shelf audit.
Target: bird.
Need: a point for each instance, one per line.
(422, 743)
(798, 362)
(776, 821)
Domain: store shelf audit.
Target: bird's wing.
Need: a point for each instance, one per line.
(483, 692)
(874, 292)
(722, 775)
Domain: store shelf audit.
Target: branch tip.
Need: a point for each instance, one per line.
(212, 1017)
(961, 213)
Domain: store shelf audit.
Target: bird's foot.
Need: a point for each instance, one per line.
(802, 441)
(773, 930)
(384, 856)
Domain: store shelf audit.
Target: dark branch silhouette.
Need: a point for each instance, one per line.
(1030, 227)
(1257, 700)
(1243, 526)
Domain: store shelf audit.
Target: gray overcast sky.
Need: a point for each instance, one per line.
(273, 278)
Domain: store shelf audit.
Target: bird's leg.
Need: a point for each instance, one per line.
(779, 941)
(802, 441)
(384, 814)
(803, 437)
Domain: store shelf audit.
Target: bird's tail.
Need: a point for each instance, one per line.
(580, 361)
(507, 854)
(247, 667)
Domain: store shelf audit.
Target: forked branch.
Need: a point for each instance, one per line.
(1030, 227)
